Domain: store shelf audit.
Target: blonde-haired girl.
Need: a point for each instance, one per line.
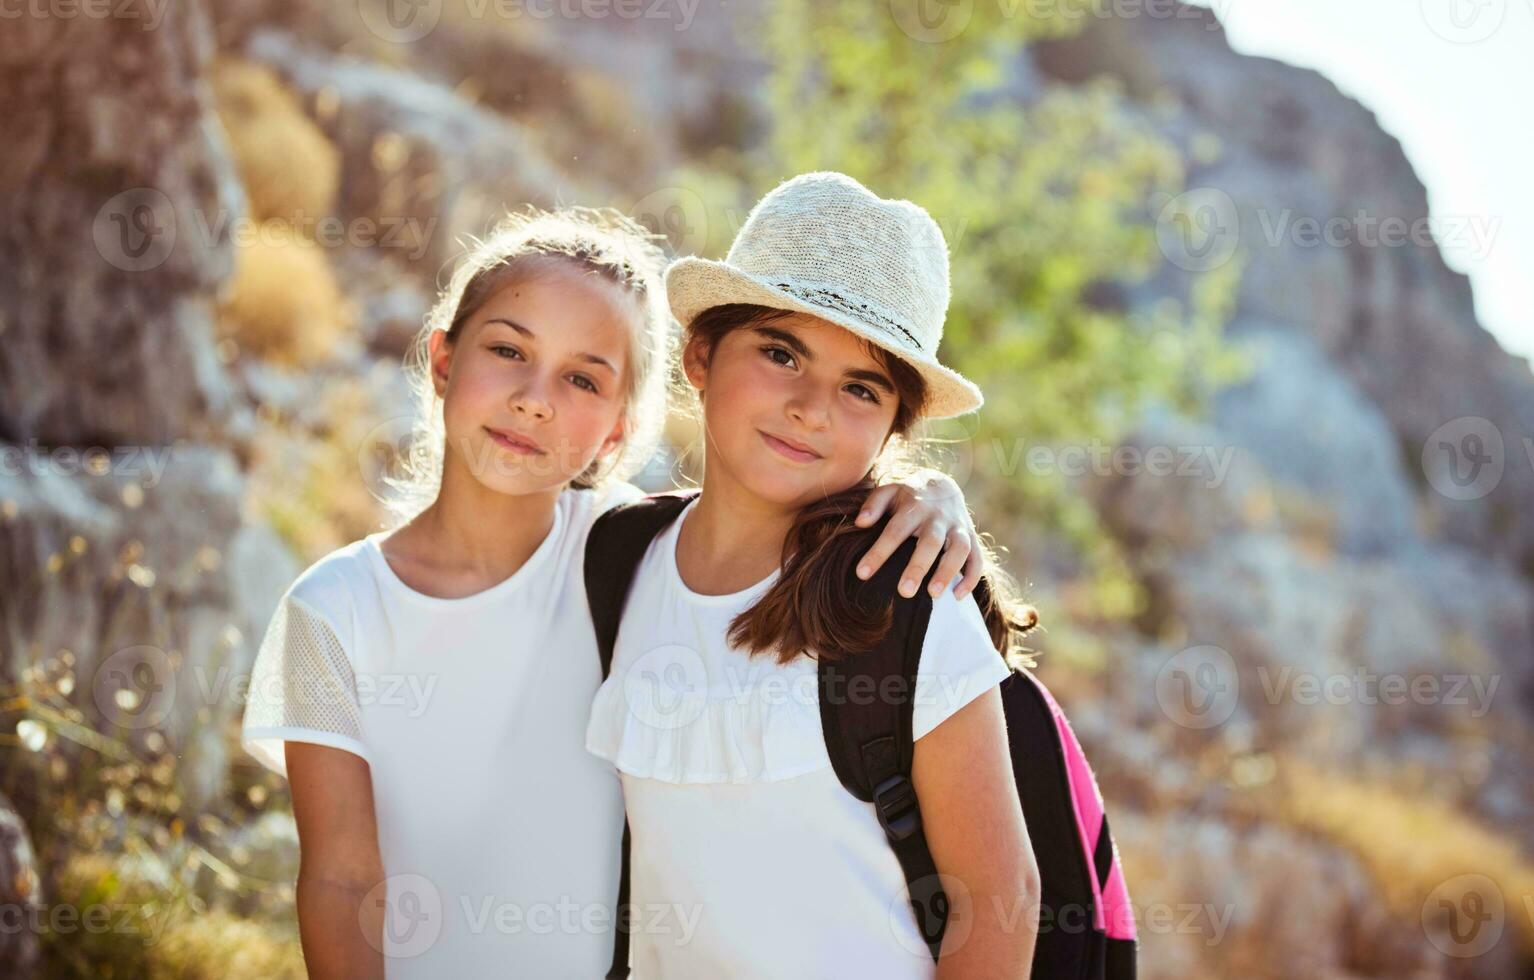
(426, 689)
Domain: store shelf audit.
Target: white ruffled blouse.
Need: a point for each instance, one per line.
(748, 856)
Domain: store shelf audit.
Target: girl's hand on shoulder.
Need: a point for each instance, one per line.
(930, 507)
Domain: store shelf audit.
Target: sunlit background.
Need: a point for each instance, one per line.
(1251, 308)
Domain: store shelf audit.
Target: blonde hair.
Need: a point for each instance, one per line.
(605, 243)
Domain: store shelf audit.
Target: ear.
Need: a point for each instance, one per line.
(439, 357)
(614, 438)
(695, 362)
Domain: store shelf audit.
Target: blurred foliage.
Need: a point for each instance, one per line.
(136, 882)
(1049, 210)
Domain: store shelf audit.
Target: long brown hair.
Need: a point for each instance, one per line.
(812, 608)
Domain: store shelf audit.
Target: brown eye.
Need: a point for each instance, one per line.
(773, 349)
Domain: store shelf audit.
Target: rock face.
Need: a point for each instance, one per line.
(424, 165)
(112, 183)
(116, 516)
(1393, 319)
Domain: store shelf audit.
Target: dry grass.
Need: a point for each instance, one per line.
(143, 932)
(284, 304)
(289, 167)
(1410, 845)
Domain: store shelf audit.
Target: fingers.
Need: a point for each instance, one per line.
(955, 553)
(900, 527)
(877, 503)
(974, 567)
(927, 547)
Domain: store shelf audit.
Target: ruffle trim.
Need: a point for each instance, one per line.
(655, 726)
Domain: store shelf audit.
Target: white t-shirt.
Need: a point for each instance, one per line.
(749, 858)
(498, 831)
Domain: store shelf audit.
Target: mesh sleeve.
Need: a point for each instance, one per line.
(302, 689)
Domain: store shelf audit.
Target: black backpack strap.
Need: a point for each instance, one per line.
(614, 549)
(867, 706)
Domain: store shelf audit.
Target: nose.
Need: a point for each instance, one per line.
(809, 407)
(530, 401)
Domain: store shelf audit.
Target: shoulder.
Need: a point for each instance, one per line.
(581, 507)
(958, 660)
(327, 588)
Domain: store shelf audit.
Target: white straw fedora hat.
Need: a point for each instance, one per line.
(822, 243)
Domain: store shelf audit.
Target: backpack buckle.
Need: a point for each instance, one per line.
(895, 803)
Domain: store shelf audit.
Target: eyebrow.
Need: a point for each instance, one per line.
(585, 356)
(798, 347)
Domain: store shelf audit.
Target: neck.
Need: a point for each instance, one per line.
(731, 539)
(483, 534)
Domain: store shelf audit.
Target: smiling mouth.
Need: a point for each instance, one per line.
(515, 443)
(790, 451)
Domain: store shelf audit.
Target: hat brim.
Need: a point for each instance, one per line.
(694, 285)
